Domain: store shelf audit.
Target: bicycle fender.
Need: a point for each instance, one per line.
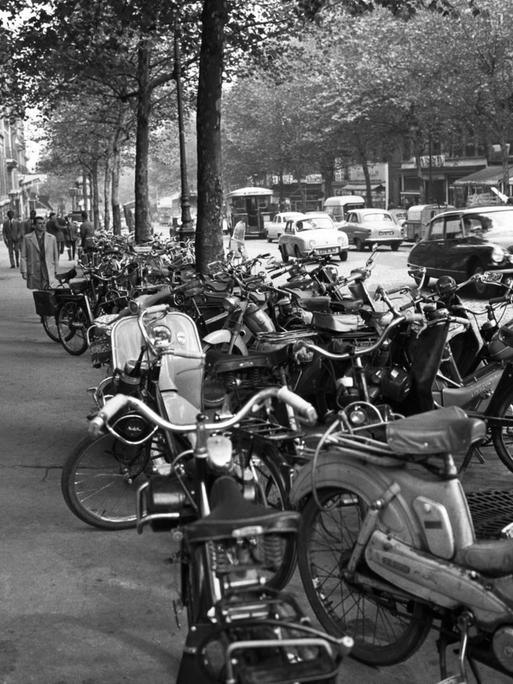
(334, 469)
(224, 337)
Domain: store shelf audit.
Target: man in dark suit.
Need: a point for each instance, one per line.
(12, 238)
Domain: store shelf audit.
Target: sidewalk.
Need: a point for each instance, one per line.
(78, 605)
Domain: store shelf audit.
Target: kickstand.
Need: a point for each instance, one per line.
(464, 622)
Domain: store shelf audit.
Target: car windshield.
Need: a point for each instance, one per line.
(493, 225)
(377, 217)
(314, 222)
(306, 224)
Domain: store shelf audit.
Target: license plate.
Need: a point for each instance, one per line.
(327, 250)
(386, 232)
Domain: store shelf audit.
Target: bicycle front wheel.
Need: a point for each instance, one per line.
(386, 629)
(73, 322)
(100, 480)
(502, 434)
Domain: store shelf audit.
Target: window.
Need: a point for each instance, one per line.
(453, 228)
(437, 230)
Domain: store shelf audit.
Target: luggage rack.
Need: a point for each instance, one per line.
(491, 510)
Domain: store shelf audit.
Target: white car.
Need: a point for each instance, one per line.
(273, 229)
(313, 235)
(367, 227)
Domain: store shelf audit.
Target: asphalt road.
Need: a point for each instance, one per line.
(83, 606)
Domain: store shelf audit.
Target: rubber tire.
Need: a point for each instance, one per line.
(276, 496)
(499, 432)
(297, 253)
(395, 246)
(343, 255)
(406, 639)
(50, 327)
(101, 449)
(359, 245)
(73, 340)
(284, 255)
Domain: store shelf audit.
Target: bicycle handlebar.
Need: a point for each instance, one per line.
(121, 401)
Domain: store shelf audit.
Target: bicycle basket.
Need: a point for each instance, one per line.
(45, 302)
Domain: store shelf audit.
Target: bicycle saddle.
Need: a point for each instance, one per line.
(442, 431)
(66, 275)
(233, 516)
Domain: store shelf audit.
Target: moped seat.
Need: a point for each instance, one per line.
(320, 303)
(225, 363)
(442, 431)
(66, 275)
(231, 513)
(491, 557)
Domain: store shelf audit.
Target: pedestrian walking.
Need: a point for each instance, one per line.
(11, 235)
(39, 257)
(71, 235)
(86, 236)
(54, 227)
(29, 225)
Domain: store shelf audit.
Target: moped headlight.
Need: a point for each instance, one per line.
(230, 303)
(219, 449)
(498, 255)
(161, 336)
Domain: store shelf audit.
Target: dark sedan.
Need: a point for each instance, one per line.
(462, 242)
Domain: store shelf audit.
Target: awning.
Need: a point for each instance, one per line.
(253, 191)
(490, 175)
(359, 187)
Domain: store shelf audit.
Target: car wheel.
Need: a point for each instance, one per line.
(359, 244)
(283, 253)
(343, 255)
(269, 239)
(297, 253)
(395, 246)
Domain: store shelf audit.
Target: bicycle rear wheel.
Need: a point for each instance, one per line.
(73, 322)
(386, 629)
(50, 327)
(100, 480)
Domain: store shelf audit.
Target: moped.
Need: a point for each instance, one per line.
(241, 630)
(388, 545)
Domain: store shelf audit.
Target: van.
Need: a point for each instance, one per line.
(418, 217)
(339, 206)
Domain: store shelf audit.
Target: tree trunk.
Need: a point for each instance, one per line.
(85, 195)
(107, 183)
(142, 208)
(95, 195)
(505, 166)
(116, 210)
(328, 175)
(209, 235)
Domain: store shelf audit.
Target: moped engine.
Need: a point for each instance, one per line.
(502, 645)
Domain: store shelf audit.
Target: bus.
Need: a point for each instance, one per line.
(251, 205)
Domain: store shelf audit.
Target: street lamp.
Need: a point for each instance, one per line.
(184, 195)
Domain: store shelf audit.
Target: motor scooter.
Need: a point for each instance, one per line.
(388, 545)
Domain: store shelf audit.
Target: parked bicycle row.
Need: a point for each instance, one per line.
(236, 412)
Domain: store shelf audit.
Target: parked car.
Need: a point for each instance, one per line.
(462, 242)
(339, 206)
(368, 227)
(313, 234)
(273, 229)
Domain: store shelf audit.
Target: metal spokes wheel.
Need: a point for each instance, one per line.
(502, 433)
(385, 628)
(73, 322)
(50, 327)
(100, 480)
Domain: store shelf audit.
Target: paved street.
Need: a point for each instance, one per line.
(82, 606)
